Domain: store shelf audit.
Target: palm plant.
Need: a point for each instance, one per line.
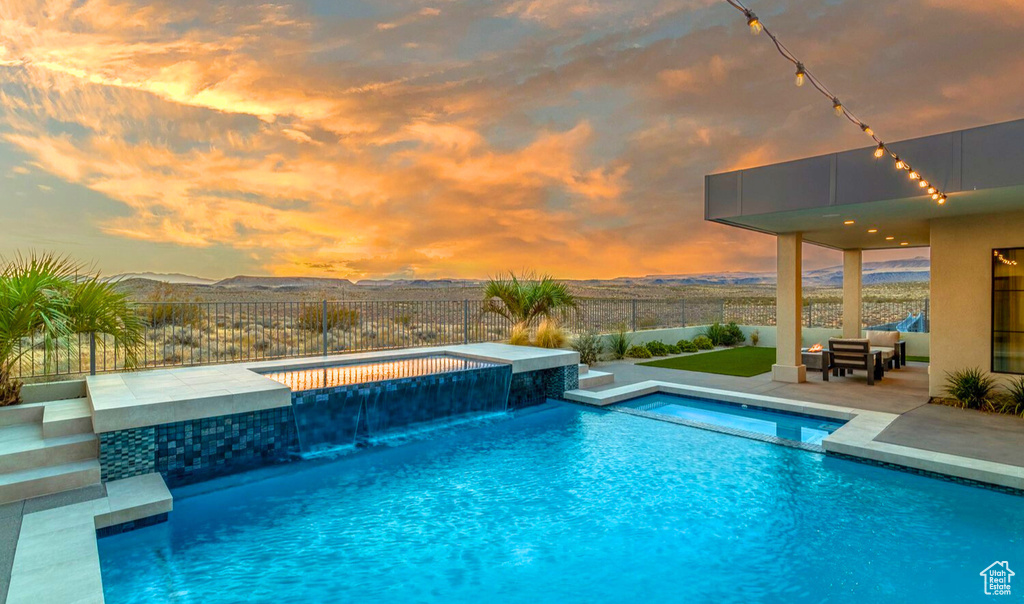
(44, 294)
(523, 300)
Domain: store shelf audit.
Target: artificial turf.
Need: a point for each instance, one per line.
(745, 361)
(917, 359)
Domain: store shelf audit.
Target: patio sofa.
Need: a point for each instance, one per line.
(894, 349)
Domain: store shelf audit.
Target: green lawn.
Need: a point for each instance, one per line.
(917, 359)
(743, 362)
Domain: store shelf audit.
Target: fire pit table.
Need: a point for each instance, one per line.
(813, 359)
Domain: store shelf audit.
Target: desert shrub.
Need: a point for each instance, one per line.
(687, 346)
(590, 346)
(550, 335)
(755, 337)
(520, 335)
(970, 388)
(311, 317)
(724, 335)
(163, 307)
(638, 352)
(182, 337)
(657, 348)
(261, 346)
(620, 343)
(404, 320)
(701, 342)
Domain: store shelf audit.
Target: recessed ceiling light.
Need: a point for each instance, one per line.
(889, 238)
(904, 243)
(848, 222)
(872, 230)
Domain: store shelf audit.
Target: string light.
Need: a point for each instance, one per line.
(1004, 259)
(753, 23)
(804, 75)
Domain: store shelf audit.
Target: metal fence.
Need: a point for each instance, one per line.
(203, 333)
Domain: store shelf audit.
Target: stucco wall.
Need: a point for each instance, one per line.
(961, 290)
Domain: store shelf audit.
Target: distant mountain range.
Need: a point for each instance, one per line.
(888, 271)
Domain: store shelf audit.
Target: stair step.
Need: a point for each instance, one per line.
(23, 447)
(67, 417)
(25, 484)
(593, 379)
(584, 368)
(21, 414)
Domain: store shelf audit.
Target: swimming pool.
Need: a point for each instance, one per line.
(570, 504)
(787, 426)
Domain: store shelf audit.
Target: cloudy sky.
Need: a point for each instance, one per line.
(397, 138)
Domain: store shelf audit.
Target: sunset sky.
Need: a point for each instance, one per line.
(452, 138)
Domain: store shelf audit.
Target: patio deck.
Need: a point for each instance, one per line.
(937, 428)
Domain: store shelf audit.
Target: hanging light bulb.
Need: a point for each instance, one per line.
(867, 129)
(931, 190)
(801, 74)
(837, 107)
(880, 151)
(914, 175)
(899, 163)
(753, 22)
(942, 199)
(935, 195)
(922, 183)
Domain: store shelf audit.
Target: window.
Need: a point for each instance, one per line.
(1008, 310)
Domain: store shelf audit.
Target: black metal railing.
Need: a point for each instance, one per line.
(204, 333)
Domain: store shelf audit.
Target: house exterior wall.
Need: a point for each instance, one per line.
(961, 290)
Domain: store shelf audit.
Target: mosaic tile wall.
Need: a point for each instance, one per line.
(534, 387)
(351, 414)
(202, 449)
(127, 453)
(192, 451)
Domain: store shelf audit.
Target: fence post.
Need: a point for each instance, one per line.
(682, 311)
(632, 322)
(323, 323)
(92, 353)
(465, 321)
(927, 316)
(810, 314)
(721, 310)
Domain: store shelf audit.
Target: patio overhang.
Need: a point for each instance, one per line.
(979, 169)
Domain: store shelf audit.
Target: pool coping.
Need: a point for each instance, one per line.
(855, 439)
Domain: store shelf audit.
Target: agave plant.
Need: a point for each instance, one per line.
(523, 300)
(46, 295)
(971, 388)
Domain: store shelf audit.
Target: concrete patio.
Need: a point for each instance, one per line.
(904, 392)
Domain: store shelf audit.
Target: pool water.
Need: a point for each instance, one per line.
(789, 426)
(569, 504)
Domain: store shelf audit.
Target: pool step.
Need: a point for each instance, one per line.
(593, 379)
(67, 417)
(23, 447)
(584, 368)
(135, 498)
(46, 480)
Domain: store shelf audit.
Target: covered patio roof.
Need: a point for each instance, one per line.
(979, 168)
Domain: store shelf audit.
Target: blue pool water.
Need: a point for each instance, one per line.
(569, 504)
(782, 425)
